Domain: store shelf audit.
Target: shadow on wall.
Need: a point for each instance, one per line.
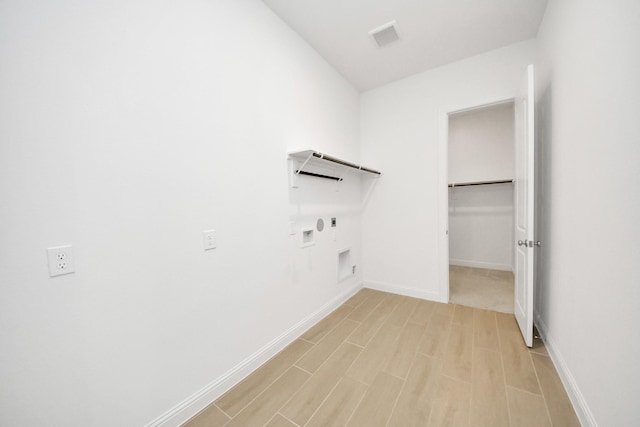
(544, 188)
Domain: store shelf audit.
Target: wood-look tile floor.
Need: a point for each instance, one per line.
(388, 360)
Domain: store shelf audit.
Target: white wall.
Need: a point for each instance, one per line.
(127, 128)
(481, 148)
(481, 226)
(588, 287)
(400, 125)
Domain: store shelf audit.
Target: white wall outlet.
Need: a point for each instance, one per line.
(61, 260)
(209, 239)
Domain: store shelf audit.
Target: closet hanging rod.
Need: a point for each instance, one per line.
(465, 184)
(345, 163)
(317, 175)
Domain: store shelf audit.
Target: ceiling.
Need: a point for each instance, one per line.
(432, 32)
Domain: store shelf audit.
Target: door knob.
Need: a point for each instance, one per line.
(522, 243)
(538, 243)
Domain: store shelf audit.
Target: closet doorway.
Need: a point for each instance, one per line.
(481, 172)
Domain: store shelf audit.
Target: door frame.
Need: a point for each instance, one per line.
(443, 188)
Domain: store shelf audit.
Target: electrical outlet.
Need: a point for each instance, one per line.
(61, 260)
(209, 239)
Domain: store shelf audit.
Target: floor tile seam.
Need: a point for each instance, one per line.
(375, 334)
(393, 375)
(544, 398)
(473, 337)
(504, 371)
(413, 356)
(355, 409)
(265, 389)
(352, 343)
(446, 343)
(295, 362)
(219, 408)
(428, 317)
(359, 305)
(415, 308)
(431, 411)
(275, 415)
(404, 385)
(325, 362)
(506, 398)
(395, 402)
(367, 318)
(372, 336)
(293, 394)
(491, 349)
(346, 374)
(524, 391)
(402, 330)
(316, 345)
(287, 418)
(270, 383)
(518, 350)
(456, 379)
(302, 369)
(389, 316)
(424, 327)
(387, 353)
(384, 297)
(203, 410)
(378, 365)
(313, 374)
(330, 330)
(430, 355)
(546, 354)
(456, 356)
(324, 400)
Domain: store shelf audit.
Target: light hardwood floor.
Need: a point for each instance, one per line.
(388, 360)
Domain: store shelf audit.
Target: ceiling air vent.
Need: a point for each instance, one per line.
(385, 34)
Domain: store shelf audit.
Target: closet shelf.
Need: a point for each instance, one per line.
(316, 158)
(465, 184)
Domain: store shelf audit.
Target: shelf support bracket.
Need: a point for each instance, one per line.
(304, 164)
(295, 172)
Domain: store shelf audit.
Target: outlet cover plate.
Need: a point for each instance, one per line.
(61, 260)
(209, 239)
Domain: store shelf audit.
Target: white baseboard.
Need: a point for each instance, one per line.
(195, 403)
(480, 264)
(575, 395)
(401, 290)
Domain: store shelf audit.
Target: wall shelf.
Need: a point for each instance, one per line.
(307, 162)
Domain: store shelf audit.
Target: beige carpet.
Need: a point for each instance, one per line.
(481, 288)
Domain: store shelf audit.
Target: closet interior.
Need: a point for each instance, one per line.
(481, 207)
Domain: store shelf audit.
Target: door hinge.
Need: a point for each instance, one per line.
(529, 243)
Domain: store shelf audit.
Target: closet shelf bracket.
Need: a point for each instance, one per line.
(318, 164)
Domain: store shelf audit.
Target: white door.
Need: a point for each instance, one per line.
(524, 203)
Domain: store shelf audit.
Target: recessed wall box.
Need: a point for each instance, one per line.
(307, 237)
(345, 268)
